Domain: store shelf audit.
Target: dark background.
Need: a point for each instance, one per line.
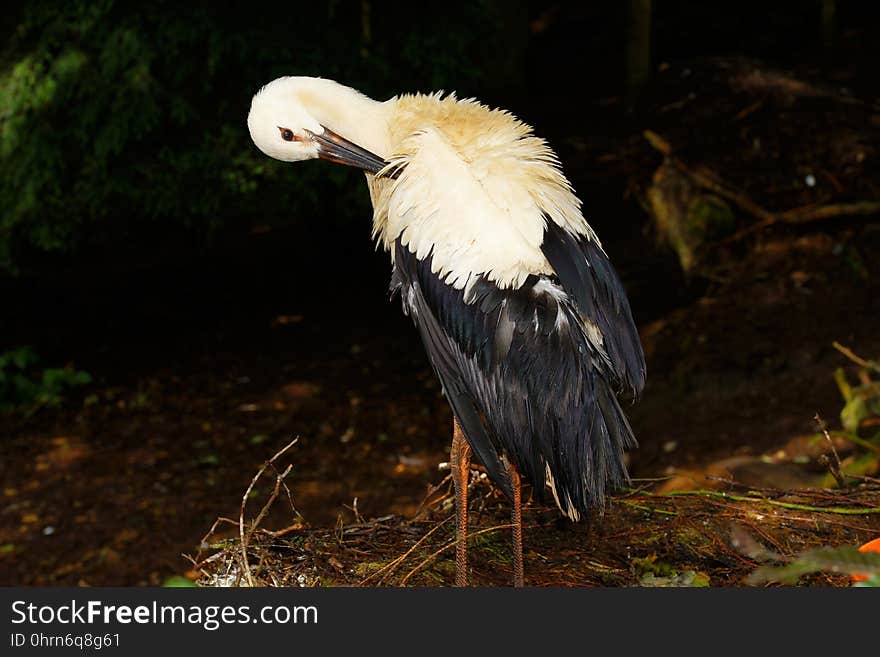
(128, 176)
(144, 240)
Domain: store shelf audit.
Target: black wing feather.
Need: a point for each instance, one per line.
(523, 380)
(587, 275)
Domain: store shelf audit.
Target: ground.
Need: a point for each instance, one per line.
(131, 472)
(115, 490)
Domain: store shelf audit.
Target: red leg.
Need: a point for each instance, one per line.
(461, 470)
(516, 521)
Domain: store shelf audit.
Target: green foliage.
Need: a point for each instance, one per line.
(845, 559)
(859, 414)
(176, 581)
(655, 573)
(710, 216)
(120, 117)
(862, 401)
(23, 387)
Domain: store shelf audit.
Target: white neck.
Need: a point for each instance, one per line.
(347, 112)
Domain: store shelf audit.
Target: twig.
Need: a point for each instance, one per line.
(835, 467)
(865, 478)
(393, 564)
(745, 543)
(779, 492)
(713, 183)
(244, 499)
(708, 179)
(426, 500)
(804, 215)
(649, 509)
(743, 113)
(847, 511)
(293, 510)
(846, 351)
(657, 142)
(214, 528)
(358, 518)
(278, 480)
(197, 560)
(772, 493)
(443, 549)
(282, 532)
(629, 492)
(767, 537)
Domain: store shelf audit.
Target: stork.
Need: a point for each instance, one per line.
(522, 315)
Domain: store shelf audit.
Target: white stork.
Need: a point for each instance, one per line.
(524, 319)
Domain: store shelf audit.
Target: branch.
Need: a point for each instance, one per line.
(241, 533)
(846, 351)
(708, 179)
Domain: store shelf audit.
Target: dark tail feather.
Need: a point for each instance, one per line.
(470, 422)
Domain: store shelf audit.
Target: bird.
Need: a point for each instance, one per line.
(524, 319)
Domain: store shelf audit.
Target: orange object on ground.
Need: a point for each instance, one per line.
(870, 546)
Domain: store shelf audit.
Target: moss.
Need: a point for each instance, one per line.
(709, 217)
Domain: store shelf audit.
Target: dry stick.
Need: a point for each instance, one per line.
(198, 560)
(403, 557)
(847, 511)
(743, 542)
(642, 507)
(720, 548)
(865, 478)
(834, 468)
(277, 533)
(711, 181)
(293, 510)
(241, 534)
(657, 142)
(846, 351)
(814, 523)
(229, 563)
(812, 520)
(451, 544)
(358, 518)
(771, 493)
(214, 527)
(707, 179)
(433, 489)
(804, 215)
(278, 481)
(744, 112)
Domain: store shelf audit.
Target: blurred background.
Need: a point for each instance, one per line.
(165, 325)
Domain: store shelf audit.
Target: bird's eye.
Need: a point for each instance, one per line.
(287, 134)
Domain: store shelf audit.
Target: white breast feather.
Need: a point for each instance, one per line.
(480, 217)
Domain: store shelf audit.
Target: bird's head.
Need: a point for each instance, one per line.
(281, 125)
(283, 122)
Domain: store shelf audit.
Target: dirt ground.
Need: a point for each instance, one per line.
(113, 491)
(128, 476)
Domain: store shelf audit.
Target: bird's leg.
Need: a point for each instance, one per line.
(461, 472)
(516, 521)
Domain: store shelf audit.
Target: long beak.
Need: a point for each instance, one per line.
(333, 148)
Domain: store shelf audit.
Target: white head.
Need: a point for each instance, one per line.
(280, 124)
(295, 118)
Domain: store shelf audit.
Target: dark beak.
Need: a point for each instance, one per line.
(333, 148)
